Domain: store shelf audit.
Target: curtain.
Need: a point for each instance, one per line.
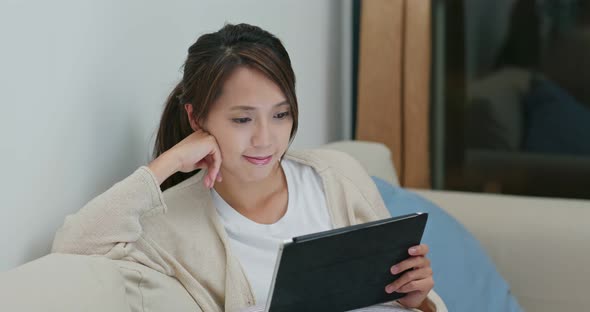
(393, 83)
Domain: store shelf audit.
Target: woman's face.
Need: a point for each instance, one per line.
(252, 123)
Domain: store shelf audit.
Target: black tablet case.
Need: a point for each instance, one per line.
(346, 268)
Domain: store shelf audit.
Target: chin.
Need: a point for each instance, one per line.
(252, 173)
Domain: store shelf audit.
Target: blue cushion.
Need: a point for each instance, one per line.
(464, 275)
(555, 121)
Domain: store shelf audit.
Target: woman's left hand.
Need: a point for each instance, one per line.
(417, 280)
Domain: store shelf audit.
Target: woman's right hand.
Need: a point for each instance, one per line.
(199, 150)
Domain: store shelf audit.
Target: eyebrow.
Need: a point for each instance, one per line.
(250, 108)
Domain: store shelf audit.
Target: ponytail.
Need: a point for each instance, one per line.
(174, 127)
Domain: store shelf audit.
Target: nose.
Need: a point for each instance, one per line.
(262, 135)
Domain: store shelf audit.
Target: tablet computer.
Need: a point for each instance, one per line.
(345, 268)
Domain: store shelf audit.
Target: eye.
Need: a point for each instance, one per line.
(241, 120)
(282, 115)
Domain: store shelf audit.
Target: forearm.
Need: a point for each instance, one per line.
(164, 166)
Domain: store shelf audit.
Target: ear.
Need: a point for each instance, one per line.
(189, 112)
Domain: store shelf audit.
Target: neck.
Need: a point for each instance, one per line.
(262, 201)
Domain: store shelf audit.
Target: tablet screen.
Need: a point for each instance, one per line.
(343, 269)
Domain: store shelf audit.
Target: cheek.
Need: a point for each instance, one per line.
(286, 132)
(231, 141)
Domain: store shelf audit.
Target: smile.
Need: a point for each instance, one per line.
(259, 161)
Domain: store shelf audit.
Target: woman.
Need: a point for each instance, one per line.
(217, 231)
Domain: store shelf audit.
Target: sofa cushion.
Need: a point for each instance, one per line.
(68, 283)
(464, 275)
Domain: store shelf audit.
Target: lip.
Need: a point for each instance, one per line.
(258, 160)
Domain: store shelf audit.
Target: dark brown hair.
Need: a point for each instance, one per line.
(210, 61)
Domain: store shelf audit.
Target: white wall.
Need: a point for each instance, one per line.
(82, 84)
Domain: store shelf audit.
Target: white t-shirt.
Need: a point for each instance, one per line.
(256, 245)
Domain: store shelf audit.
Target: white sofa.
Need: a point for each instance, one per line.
(540, 246)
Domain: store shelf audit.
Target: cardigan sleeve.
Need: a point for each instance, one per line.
(106, 224)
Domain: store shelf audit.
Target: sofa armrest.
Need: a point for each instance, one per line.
(68, 283)
(540, 246)
(63, 283)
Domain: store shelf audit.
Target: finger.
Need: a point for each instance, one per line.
(420, 250)
(423, 285)
(412, 262)
(215, 166)
(205, 163)
(211, 176)
(201, 164)
(408, 277)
